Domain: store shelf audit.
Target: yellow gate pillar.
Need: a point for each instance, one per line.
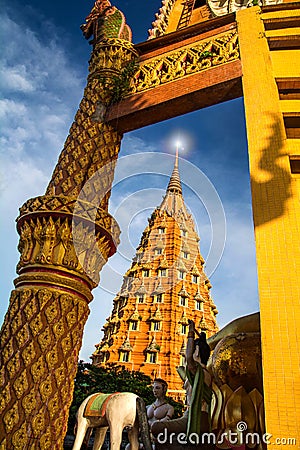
(276, 213)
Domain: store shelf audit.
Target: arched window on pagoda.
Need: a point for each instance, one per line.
(101, 355)
(133, 321)
(125, 350)
(158, 294)
(185, 250)
(146, 273)
(195, 275)
(183, 297)
(140, 298)
(199, 302)
(140, 294)
(181, 274)
(159, 247)
(184, 328)
(152, 351)
(183, 324)
(183, 232)
(158, 298)
(124, 356)
(115, 325)
(152, 357)
(182, 301)
(155, 320)
(104, 357)
(133, 325)
(162, 272)
(155, 326)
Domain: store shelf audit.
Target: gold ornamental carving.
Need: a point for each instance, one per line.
(111, 55)
(237, 388)
(236, 361)
(160, 25)
(39, 370)
(52, 279)
(74, 235)
(231, 407)
(186, 61)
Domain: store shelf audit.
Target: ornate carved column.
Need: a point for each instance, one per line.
(66, 236)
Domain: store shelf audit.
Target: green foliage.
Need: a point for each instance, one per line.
(90, 379)
(206, 54)
(121, 83)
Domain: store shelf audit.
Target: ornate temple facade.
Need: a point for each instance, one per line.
(164, 287)
(198, 54)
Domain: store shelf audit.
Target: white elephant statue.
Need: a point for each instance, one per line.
(114, 412)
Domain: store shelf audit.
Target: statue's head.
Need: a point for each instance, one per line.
(105, 21)
(160, 387)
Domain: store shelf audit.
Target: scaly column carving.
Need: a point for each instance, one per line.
(92, 144)
(66, 236)
(41, 337)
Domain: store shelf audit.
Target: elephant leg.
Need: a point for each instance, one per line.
(115, 436)
(82, 428)
(133, 436)
(99, 437)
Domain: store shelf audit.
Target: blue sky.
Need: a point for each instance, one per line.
(43, 74)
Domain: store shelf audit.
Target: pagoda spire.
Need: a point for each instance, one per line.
(173, 202)
(175, 183)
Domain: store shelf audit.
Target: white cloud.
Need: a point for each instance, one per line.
(15, 79)
(132, 144)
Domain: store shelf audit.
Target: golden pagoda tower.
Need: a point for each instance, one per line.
(164, 287)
